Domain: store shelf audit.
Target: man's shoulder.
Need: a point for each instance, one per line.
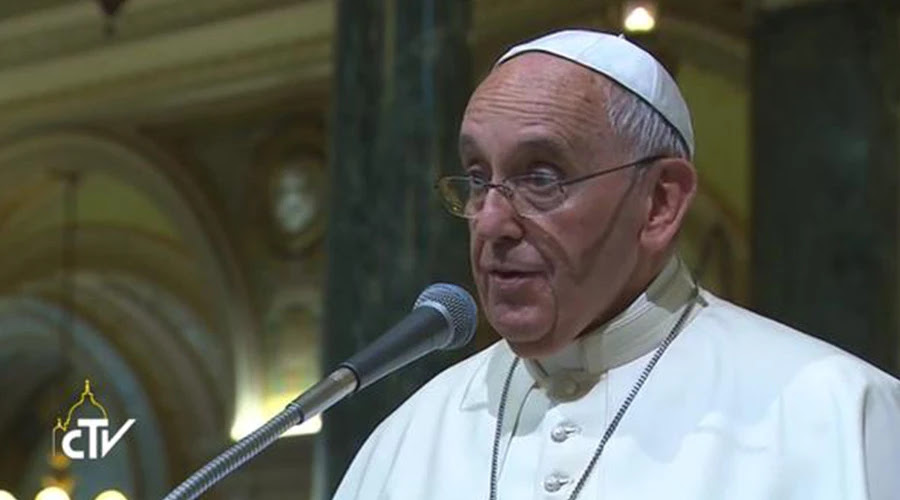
(449, 389)
(460, 378)
(776, 348)
(425, 422)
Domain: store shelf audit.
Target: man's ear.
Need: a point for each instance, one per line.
(673, 183)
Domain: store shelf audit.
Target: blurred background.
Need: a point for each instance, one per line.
(206, 204)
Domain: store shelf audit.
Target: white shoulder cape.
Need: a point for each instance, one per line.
(739, 407)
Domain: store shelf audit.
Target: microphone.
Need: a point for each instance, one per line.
(443, 318)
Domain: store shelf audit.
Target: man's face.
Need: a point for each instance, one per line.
(544, 279)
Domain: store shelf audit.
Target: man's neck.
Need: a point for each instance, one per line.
(641, 280)
(632, 333)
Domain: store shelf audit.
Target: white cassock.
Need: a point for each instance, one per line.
(738, 407)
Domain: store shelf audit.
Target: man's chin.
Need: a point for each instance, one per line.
(522, 331)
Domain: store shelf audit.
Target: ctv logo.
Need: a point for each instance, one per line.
(89, 438)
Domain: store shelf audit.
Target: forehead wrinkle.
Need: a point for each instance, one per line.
(524, 102)
(567, 104)
(534, 134)
(541, 121)
(548, 78)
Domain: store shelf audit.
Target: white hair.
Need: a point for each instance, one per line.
(643, 129)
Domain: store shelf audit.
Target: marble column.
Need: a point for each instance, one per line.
(825, 80)
(401, 82)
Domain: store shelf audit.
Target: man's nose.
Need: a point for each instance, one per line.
(497, 219)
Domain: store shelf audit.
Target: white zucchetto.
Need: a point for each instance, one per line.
(623, 62)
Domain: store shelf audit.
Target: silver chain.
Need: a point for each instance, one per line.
(495, 457)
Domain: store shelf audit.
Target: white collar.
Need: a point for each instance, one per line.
(571, 372)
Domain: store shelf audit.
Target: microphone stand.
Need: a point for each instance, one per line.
(326, 393)
(443, 318)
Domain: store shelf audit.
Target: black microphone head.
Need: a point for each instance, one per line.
(457, 305)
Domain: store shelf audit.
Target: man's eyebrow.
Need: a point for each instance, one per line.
(551, 147)
(543, 144)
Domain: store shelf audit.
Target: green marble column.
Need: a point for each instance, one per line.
(401, 83)
(825, 82)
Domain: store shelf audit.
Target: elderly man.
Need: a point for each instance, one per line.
(617, 376)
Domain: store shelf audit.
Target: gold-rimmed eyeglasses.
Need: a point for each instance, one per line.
(529, 194)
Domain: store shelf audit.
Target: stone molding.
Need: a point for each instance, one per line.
(256, 52)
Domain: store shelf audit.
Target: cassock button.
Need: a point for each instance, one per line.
(562, 432)
(563, 387)
(554, 482)
(569, 387)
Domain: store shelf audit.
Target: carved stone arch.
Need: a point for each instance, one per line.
(709, 48)
(136, 162)
(140, 459)
(192, 416)
(109, 279)
(35, 258)
(113, 260)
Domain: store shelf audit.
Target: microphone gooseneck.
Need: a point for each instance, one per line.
(444, 317)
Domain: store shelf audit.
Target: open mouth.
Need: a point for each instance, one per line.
(513, 275)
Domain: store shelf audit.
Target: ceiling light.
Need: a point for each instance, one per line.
(640, 18)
